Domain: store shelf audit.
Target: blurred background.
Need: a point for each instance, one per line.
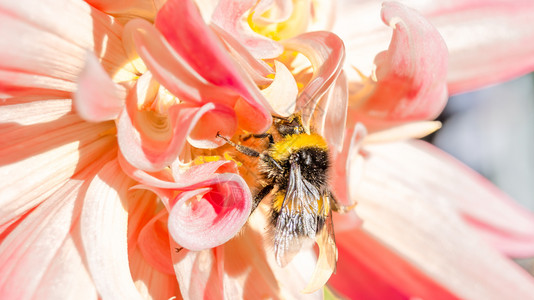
(492, 131)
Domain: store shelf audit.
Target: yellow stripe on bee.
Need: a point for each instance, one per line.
(291, 143)
(279, 200)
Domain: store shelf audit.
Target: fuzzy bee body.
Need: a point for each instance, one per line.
(295, 169)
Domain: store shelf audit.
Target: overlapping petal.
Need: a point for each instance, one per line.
(104, 222)
(488, 41)
(127, 9)
(473, 196)
(151, 141)
(44, 152)
(210, 208)
(454, 255)
(204, 52)
(170, 69)
(410, 76)
(52, 53)
(229, 16)
(326, 53)
(367, 269)
(97, 97)
(46, 232)
(244, 268)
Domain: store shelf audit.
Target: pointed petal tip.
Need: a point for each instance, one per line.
(97, 97)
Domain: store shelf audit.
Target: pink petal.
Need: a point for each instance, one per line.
(326, 53)
(97, 98)
(417, 216)
(366, 269)
(506, 225)
(488, 41)
(208, 217)
(170, 69)
(410, 74)
(153, 242)
(193, 40)
(229, 16)
(150, 143)
(104, 223)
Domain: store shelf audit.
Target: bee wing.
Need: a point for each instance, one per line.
(327, 260)
(297, 219)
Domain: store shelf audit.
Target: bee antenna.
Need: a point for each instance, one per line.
(245, 150)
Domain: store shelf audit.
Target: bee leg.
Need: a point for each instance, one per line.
(243, 149)
(260, 195)
(260, 136)
(339, 207)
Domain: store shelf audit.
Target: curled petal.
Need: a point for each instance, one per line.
(282, 92)
(97, 98)
(326, 53)
(410, 76)
(150, 141)
(192, 39)
(229, 16)
(208, 217)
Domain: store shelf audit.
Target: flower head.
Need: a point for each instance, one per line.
(111, 113)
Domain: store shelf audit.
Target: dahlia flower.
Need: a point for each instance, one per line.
(114, 184)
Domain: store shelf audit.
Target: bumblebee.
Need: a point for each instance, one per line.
(295, 170)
